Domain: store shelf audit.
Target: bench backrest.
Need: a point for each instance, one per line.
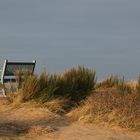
(10, 69)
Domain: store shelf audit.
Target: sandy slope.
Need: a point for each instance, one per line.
(28, 121)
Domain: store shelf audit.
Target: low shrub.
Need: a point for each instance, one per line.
(110, 107)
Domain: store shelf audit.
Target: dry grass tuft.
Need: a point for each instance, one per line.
(110, 81)
(132, 84)
(113, 81)
(58, 105)
(138, 85)
(40, 130)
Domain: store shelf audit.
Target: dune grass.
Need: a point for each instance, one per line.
(138, 85)
(74, 84)
(110, 107)
(113, 101)
(114, 81)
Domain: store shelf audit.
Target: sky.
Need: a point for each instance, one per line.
(100, 34)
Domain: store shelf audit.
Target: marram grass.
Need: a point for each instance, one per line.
(75, 84)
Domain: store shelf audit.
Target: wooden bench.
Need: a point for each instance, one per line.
(7, 74)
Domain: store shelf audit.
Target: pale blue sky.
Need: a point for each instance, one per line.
(59, 34)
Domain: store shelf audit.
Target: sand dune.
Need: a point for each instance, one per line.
(29, 121)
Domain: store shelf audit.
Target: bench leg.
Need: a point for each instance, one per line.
(3, 92)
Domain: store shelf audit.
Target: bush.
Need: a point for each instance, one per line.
(74, 84)
(78, 83)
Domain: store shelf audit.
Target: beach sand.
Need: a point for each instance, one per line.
(29, 121)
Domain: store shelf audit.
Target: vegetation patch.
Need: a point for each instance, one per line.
(113, 101)
(110, 107)
(74, 84)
